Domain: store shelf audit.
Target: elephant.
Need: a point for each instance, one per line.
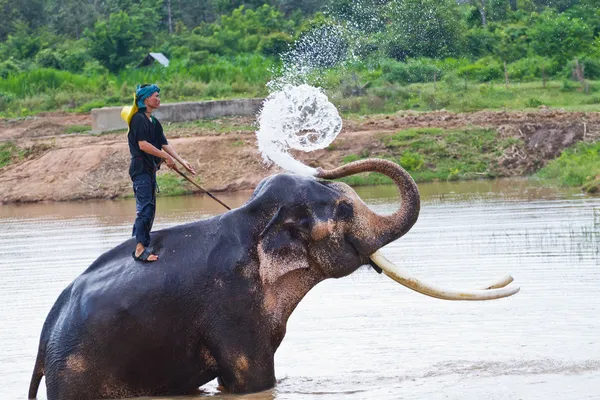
(217, 301)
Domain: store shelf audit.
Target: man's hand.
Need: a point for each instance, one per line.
(188, 166)
(170, 163)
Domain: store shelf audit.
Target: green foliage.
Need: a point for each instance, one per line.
(424, 28)
(412, 71)
(533, 103)
(22, 43)
(243, 30)
(411, 161)
(591, 66)
(89, 106)
(172, 185)
(350, 158)
(481, 42)
(9, 152)
(560, 37)
(113, 42)
(231, 48)
(275, 44)
(436, 154)
(77, 129)
(530, 68)
(47, 58)
(576, 166)
(35, 82)
(8, 67)
(483, 70)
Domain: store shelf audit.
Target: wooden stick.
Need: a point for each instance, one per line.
(198, 186)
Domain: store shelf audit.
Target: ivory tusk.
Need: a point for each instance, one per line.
(499, 284)
(494, 291)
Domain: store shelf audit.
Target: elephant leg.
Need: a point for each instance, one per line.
(241, 374)
(67, 388)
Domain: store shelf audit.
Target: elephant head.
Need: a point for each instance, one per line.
(318, 228)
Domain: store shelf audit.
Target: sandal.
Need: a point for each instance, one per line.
(144, 256)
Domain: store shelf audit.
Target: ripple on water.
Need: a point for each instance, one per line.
(364, 336)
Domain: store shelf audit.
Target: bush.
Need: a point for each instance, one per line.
(47, 58)
(575, 166)
(436, 100)
(5, 100)
(197, 58)
(7, 68)
(411, 161)
(275, 44)
(412, 71)
(87, 107)
(217, 89)
(532, 103)
(94, 68)
(74, 60)
(530, 68)
(483, 70)
(203, 43)
(591, 67)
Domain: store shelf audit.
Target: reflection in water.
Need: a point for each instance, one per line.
(365, 336)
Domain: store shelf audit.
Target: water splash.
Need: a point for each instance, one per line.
(296, 117)
(311, 56)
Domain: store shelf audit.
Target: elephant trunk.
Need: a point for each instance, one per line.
(385, 228)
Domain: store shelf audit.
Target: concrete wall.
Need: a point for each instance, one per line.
(109, 118)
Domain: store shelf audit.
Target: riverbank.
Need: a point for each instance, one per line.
(53, 157)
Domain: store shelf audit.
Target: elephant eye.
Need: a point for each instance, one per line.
(344, 211)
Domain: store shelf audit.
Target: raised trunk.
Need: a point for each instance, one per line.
(388, 228)
(384, 229)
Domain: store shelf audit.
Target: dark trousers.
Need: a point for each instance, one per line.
(144, 189)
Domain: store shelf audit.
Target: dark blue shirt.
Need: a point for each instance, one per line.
(142, 128)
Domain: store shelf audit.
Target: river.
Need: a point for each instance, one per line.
(364, 336)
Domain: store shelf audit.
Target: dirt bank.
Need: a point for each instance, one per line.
(60, 166)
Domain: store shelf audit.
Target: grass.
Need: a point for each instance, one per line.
(30, 92)
(244, 76)
(222, 125)
(77, 129)
(433, 154)
(172, 185)
(578, 165)
(528, 96)
(9, 152)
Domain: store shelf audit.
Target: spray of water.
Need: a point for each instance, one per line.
(296, 117)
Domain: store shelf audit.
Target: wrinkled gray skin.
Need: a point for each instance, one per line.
(216, 303)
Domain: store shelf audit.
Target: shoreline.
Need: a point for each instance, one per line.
(49, 165)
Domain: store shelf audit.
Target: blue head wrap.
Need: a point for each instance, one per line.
(142, 93)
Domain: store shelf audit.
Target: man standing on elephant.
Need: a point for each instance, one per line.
(149, 148)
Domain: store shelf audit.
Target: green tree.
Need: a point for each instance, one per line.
(424, 28)
(22, 43)
(70, 17)
(560, 37)
(306, 7)
(114, 42)
(242, 30)
(559, 5)
(227, 6)
(29, 13)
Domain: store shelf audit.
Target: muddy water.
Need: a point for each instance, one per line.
(365, 336)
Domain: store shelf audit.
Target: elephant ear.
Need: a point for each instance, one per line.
(282, 247)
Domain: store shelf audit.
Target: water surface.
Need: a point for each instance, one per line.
(365, 336)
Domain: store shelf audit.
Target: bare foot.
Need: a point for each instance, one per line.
(140, 255)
